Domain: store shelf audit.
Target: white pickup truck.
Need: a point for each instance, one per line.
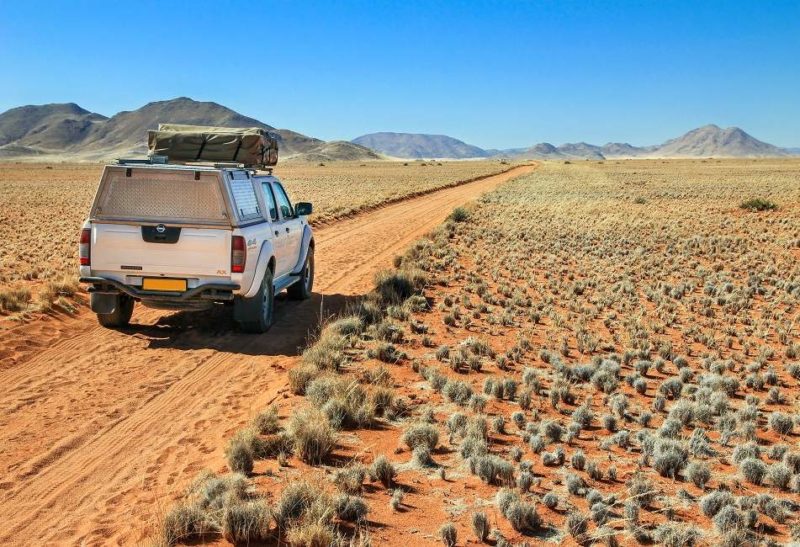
(189, 236)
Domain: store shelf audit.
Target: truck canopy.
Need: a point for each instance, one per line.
(162, 195)
(252, 146)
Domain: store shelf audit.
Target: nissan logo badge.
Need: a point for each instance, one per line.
(161, 228)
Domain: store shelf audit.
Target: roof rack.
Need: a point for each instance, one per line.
(164, 160)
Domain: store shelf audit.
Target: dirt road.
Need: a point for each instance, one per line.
(99, 429)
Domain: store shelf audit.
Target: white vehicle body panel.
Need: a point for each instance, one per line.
(198, 252)
(124, 250)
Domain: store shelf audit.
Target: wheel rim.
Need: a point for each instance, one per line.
(308, 273)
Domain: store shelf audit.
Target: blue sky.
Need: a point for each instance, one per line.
(492, 73)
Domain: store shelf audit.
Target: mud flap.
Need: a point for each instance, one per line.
(103, 302)
(245, 308)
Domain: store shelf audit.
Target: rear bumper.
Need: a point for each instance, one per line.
(216, 292)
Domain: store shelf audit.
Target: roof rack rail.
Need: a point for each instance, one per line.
(151, 160)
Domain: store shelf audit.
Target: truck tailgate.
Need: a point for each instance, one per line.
(196, 252)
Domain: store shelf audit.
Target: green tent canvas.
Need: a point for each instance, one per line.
(251, 146)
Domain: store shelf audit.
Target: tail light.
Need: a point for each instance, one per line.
(85, 247)
(238, 254)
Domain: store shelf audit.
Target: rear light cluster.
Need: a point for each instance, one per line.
(238, 254)
(85, 247)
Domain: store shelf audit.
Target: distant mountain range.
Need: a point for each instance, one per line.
(706, 141)
(69, 132)
(415, 145)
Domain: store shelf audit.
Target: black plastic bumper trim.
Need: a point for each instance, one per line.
(210, 291)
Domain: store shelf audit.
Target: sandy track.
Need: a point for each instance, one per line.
(99, 429)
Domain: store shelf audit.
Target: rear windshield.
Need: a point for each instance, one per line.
(161, 195)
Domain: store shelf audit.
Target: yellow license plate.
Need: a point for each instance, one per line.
(161, 284)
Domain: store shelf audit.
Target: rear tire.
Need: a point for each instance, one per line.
(301, 290)
(121, 316)
(255, 315)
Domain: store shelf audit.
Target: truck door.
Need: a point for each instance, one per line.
(291, 225)
(279, 239)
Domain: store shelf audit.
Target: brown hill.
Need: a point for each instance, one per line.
(70, 131)
(336, 151)
(711, 140)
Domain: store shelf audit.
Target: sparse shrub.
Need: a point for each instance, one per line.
(492, 469)
(350, 508)
(670, 458)
(246, 521)
(536, 444)
(266, 423)
(609, 423)
(421, 456)
(421, 434)
(712, 503)
(554, 458)
(698, 473)
(394, 287)
(296, 500)
(577, 524)
(523, 516)
(383, 471)
(550, 500)
(600, 513)
(184, 522)
(239, 454)
(575, 484)
(641, 490)
(396, 501)
(594, 471)
(312, 434)
(480, 526)
(578, 460)
(758, 204)
(779, 475)
(729, 518)
(743, 451)
(753, 470)
(350, 479)
(781, 423)
(459, 214)
(311, 534)
(672, 534)
(552, 431)
(448, 534)
(457, 391)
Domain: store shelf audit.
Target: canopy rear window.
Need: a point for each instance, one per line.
(161, 195)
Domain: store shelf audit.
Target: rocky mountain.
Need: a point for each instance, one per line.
(706, 141)
(419, 145)
(623, 150)
(711, 140)
(69, 131)
(337, 150)
(29, 129)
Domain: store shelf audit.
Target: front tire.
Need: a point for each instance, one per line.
(255, 315)
(302, 289)
(121, 316)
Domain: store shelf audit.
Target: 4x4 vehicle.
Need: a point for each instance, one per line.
(177, 236)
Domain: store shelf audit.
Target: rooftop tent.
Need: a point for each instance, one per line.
(251, 146)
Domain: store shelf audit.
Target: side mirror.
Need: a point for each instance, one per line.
(303, 209)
